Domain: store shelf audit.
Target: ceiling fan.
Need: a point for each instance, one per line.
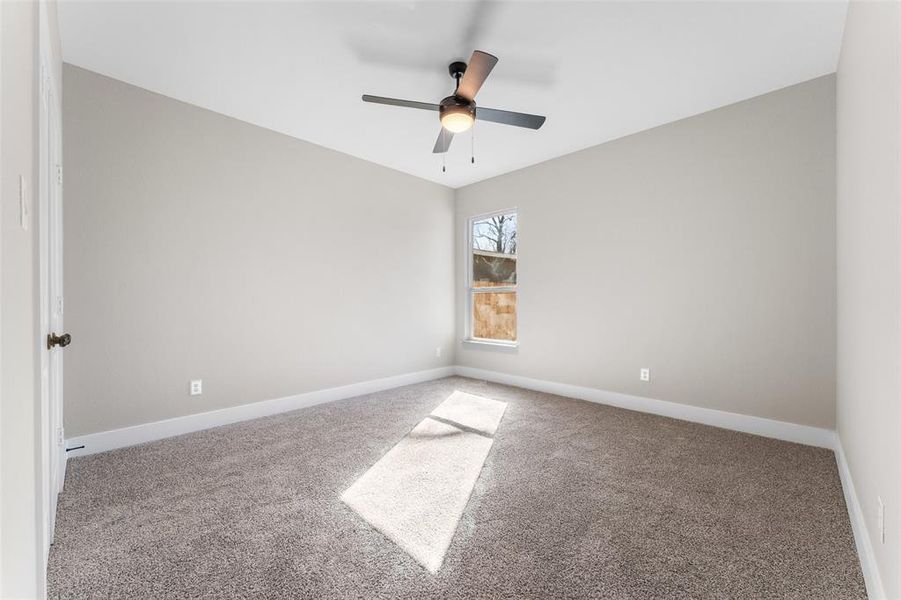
(458, 111)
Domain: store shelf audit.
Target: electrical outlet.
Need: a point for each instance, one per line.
(196, 387)
(60, 436)
(645, 374)
(438, 352)
(880, 519)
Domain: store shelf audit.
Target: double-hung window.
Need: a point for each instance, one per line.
(491, 276)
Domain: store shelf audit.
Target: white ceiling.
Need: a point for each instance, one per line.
(598, 70)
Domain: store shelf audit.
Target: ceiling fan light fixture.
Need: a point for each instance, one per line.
(457, 120)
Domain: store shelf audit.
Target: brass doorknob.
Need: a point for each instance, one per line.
(58, 340)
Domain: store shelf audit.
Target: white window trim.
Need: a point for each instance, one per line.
(468, 290)
(477, 342)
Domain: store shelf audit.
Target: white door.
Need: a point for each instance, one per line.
(54, 340)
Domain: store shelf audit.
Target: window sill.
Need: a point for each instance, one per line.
(497, 344)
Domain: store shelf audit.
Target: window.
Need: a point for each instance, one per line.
(492, 278)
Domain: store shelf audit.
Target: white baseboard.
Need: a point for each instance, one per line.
(781, 430)
(148, 432)
(865, 552)
(138, 434)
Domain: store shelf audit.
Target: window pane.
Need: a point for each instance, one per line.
(492, 270)
(494, 315)
(494, 251)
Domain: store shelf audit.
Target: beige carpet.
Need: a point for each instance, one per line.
(574, 500)
(417, 492)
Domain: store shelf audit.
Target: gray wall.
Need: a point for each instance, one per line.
(869, 270)
(198, 246)
(703, 249)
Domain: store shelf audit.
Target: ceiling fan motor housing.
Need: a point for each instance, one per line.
(456, 104)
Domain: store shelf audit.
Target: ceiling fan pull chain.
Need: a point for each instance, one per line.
(443, 154)
(472, 144)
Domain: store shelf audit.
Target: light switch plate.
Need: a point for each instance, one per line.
(196, 387)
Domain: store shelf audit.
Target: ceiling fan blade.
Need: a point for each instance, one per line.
(443, 142)
(507, 117)
(477, 71)
(398, 102)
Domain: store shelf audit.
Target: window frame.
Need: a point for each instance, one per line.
(469, 289)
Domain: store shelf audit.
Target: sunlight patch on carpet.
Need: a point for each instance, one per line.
(417, 492)
(473, 412)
